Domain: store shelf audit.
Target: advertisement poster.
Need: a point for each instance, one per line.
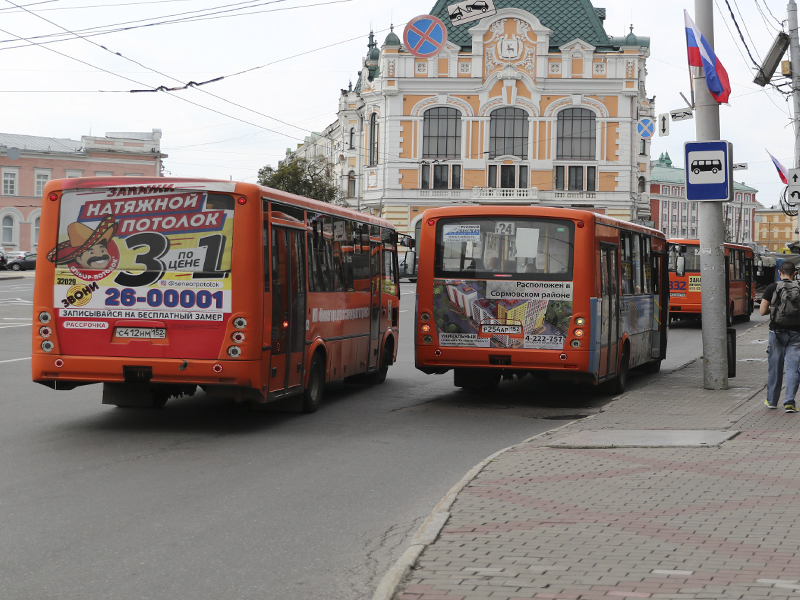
(142, 253)
(502, 314)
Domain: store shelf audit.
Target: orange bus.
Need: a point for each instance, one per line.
(684, 284)
(156, 286)
(563, 294)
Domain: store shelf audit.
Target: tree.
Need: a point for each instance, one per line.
(309, 178)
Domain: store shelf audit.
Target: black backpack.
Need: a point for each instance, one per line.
(785, 310)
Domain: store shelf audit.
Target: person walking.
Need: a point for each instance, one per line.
(782, 301)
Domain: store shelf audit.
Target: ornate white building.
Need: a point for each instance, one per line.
(533, 105)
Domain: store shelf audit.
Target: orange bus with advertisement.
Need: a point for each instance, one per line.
(154, 287)
(684, 283)
(563, 294)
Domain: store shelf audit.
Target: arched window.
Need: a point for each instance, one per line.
(352, 137)
(35, 240)
(351, 184)
(641, 184)
(575, 131)
(508, 133)
(373, 139)
(7, 236)
(441, 133)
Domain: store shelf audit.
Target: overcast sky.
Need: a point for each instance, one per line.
(284, 62)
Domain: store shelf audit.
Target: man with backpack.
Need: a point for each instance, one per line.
(782, 301)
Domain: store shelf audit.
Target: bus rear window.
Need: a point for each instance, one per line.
(504, 247)
(691, 254)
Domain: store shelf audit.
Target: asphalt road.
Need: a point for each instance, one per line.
(206, 499)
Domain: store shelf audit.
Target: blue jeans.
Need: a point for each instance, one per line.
(784, 348)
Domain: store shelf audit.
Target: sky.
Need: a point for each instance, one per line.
(284, 62)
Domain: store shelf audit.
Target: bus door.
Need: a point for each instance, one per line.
(609, 324)
(748, 284)
(288, 309)
(375, 303)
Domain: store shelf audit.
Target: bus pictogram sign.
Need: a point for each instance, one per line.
(425, 36)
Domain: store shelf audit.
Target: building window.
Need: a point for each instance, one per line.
(641, 185)
(575, 132)
(104, 173)
(8, 230)
(73, 173)
(665, 189)
(510, 176)
(445, 176)
(576, 175)
(441, 133)
(352, 138)
(9, 183)
(351, 184)
(508, 133)
(35, 240)
(41, 180)
(373, 139)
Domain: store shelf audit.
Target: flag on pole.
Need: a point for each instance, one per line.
(782, 172)
(702, 55)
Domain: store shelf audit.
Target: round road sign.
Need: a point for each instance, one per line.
(425, 36)
(646, 127)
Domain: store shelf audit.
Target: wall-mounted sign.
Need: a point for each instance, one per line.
(470, 10)
(425, 36)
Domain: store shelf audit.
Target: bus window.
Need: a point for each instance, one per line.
(389, 273)
(636, 255)
(648, 265)
(626, 262)
(347, 256)
(691, 256)
(487, 247)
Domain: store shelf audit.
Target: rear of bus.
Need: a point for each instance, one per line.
(684, 288)
(505, 290)
(136, 287)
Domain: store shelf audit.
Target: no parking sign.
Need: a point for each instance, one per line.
(425, 36)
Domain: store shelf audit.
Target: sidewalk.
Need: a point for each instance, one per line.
(566, 516)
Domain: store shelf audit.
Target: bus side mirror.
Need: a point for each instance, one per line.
(410, 265)
(680, 266)
(412, 243)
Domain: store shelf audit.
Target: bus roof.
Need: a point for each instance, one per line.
(156, 184)
(539, 211)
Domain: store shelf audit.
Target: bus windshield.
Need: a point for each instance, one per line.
(508, 247)
(692, 256)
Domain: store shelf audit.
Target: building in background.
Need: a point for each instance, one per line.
(533, 105)
(775, 230)
(28, 162)
(674, 215)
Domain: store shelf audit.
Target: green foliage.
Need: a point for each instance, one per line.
(312, 179)
(559, 314)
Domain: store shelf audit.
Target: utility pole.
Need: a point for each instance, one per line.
(712, 231)
(794, 57)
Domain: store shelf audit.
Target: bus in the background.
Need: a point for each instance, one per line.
(684, 283)
(156, 286)
(560, 293)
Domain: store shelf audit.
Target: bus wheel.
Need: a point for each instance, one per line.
(654, 366)
(476, 379)
(379, 376)
(312, 396)
(621, 382)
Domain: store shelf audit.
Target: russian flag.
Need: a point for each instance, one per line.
(782, 172)
(702, 55)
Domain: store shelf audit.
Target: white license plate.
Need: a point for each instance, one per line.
(502, 329)
(150, 333)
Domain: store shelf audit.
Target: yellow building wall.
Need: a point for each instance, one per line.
(542, 180)
(409, 179)
(577, 67)
(607, 182)
(407, 141)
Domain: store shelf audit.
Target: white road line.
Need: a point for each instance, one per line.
(17, 319)
(10, 325)
(15, 360)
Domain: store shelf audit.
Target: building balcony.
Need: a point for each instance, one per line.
(504, 195)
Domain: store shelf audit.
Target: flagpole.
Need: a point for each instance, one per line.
(713, 296)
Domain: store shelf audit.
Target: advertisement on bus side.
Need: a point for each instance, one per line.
(502, 314)
(143, 253)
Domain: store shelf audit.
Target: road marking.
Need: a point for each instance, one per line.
(16, 301)
(10, 325)
(15, 360)
(17, 318)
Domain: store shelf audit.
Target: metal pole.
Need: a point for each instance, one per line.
(712, 232)
(794, 56)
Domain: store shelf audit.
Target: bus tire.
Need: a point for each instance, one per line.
(379, 376)
(621, 382)
(312, 395)
(654, 366)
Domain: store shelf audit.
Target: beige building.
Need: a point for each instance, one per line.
(534, 105)
(775, 229)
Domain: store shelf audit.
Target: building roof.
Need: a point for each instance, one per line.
(662, 171)
(35, 143)
(568, 19)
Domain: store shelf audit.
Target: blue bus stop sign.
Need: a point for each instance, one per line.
(425, 36)
(709, 171)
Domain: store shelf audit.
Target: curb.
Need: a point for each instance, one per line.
(430, 529)
(3, 278)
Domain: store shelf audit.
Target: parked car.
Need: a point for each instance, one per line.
(22, 264)
(15, 254)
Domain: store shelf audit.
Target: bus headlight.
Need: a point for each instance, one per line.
(47, 346)
(234, 352)
(579, 321)
(45, 332)
(44, 317)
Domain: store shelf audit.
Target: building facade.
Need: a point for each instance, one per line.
(674, 215)
(28, 162)
(534, 105)
(775, 230)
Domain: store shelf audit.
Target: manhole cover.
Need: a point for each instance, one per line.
(643, 438)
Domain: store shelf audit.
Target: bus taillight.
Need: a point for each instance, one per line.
(217, 368)
(59, 363)
(427, 339)
(425, 328)
(48, 346)
(424, 317)
(234, 352)
(578, 333)
(237, 337)
(45, 332)
(580, 321)
(44, 317)
(242, 200)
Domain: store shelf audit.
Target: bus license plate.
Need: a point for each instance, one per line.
(150, 333)
(501, 329)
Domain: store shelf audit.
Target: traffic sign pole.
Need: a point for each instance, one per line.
(712, 232)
